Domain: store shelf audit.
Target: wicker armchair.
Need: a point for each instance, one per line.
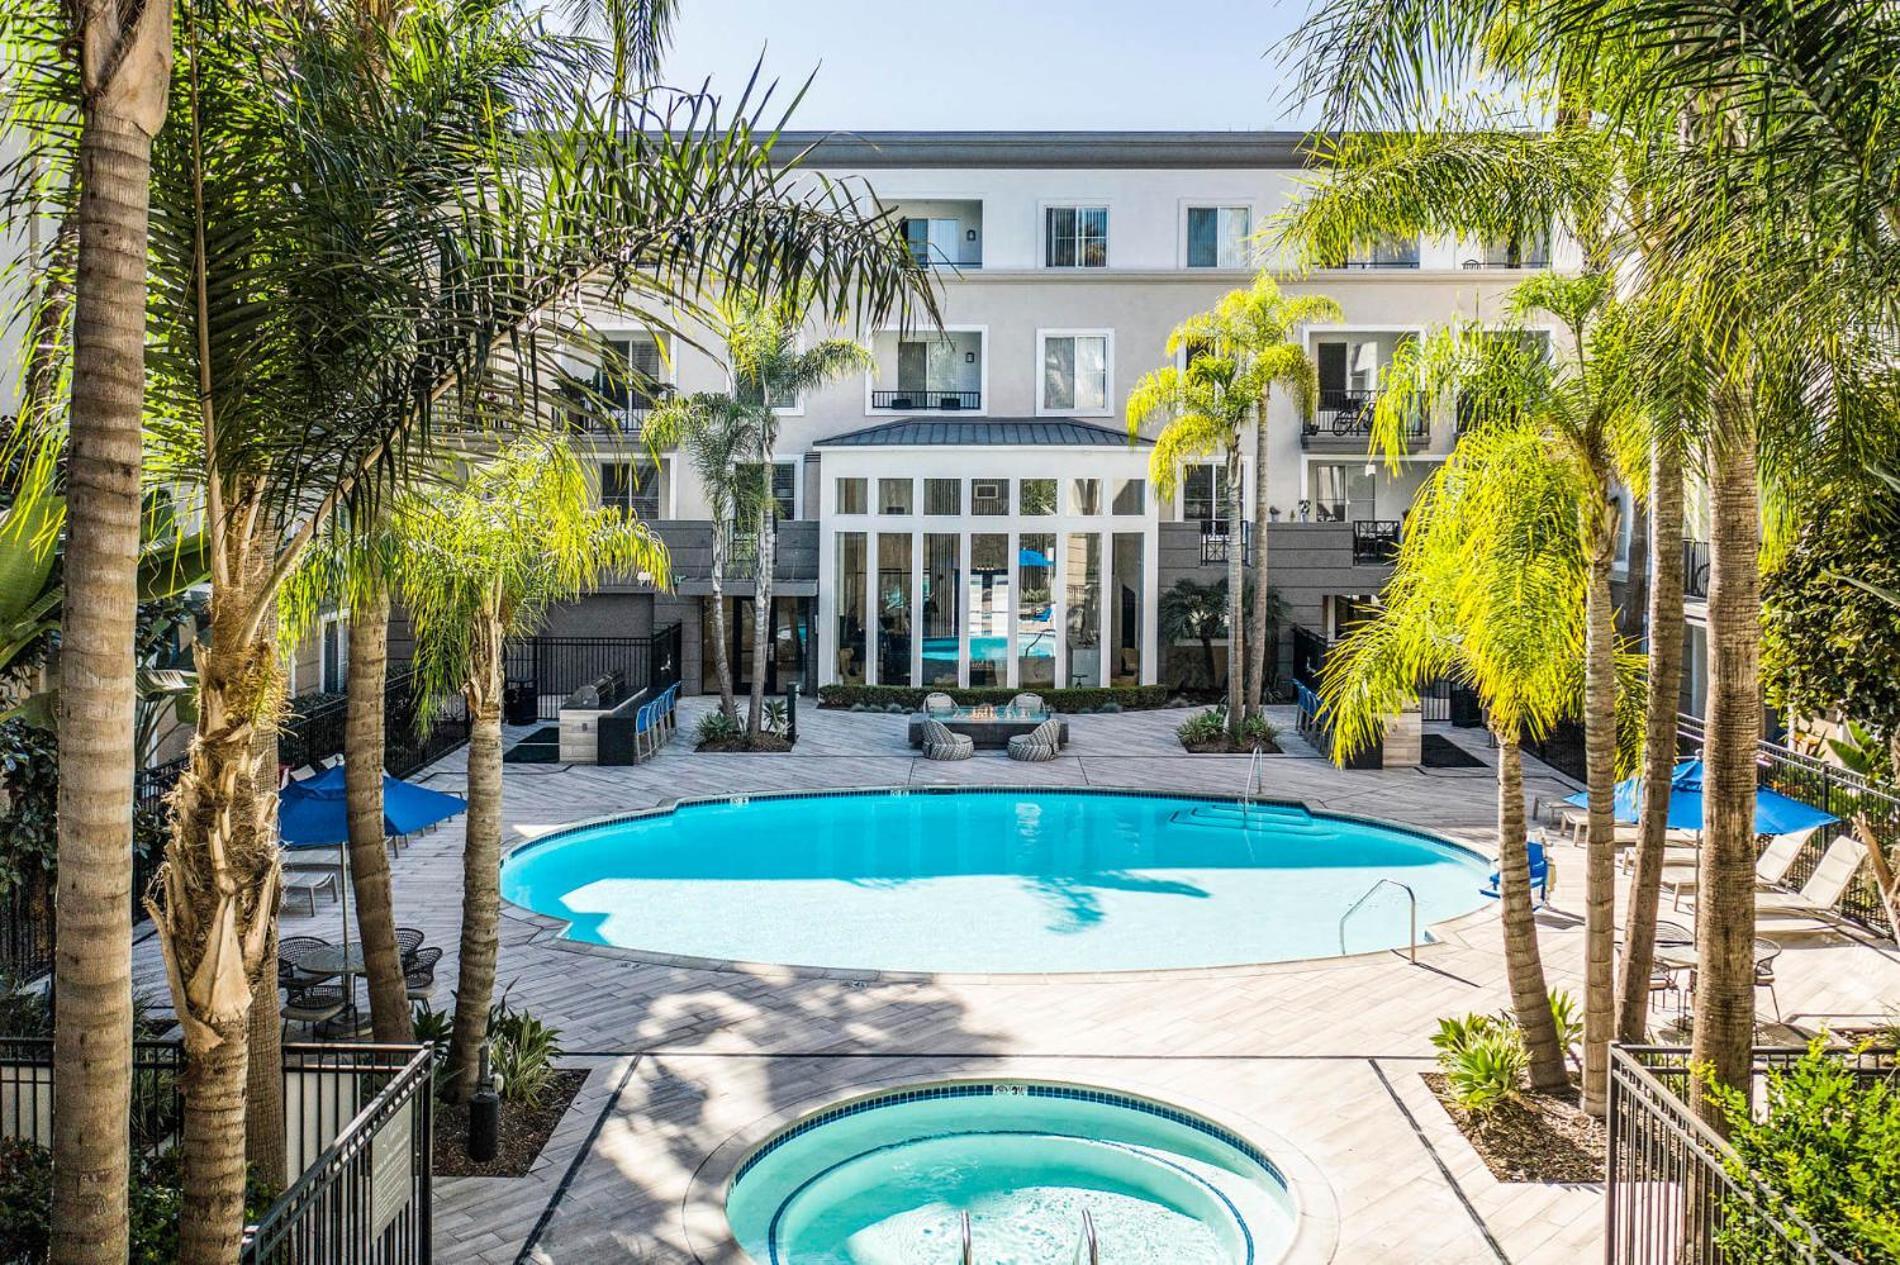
(941, 744)
(311, 1004)
(408, 940)
(418, 977)
(1044, 742)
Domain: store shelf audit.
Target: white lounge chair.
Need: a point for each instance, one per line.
(1770, 867)
(1812, 908)
(941, 744)
(1044, 742)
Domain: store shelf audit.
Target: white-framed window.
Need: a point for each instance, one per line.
(1218, 236)
(1075, 236)
(784, 487)
(933, 240)
(780, 399)
(333, 654)
(1204, 493)
(631, 376)
(1076, 372)
(633, 486)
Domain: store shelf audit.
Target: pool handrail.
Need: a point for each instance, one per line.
(1366, 896)
(1087, 1250)
(969, 1253)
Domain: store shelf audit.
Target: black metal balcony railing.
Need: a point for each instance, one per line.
(1695, 568)
(1348, 415)
(930, 401)
(1375, 542)
(624, 420)
(1381, 261)
(1217, 540)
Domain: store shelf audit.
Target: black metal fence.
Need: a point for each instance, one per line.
(1673, 1186)
(1695, 568)
(546, 670)
(1832, 789)
(1374, 542)
(1309, 655)
(313, 736)
(358, 1130)
(1217, 539)
(936, 401)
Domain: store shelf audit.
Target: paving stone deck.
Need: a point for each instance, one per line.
(1325, 1056)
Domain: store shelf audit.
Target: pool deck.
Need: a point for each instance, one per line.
(1322, 1056)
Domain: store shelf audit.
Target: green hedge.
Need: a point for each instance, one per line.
(1128, 698)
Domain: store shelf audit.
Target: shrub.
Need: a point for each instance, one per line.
(1828, 1149)
(522, 1050)
(777, 719)
(1258, 728)
(1569, 1020)
(1200, 727)
(716, 726)
(1487, 1070)
(904, 698)
(1456, 1034)
(155, 1203)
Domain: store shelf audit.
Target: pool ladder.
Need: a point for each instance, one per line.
(1409, 894)
(1087, 1250)
(1246, 796)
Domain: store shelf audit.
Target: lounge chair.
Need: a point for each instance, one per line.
(939, 704)
(1812, 908)
(1540, 876)
(307, 881)
(941, 744)
(1770, 867)
(1766, 951)
(1044, 742)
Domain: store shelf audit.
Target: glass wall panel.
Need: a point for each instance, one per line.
(849, 592)
(1084, 567)
(943, 496)
(1125, 600)
(852, 497)
(1039, 497)
(894, 496)
(1085, 496)
(989, 496)
(1036, 611)
(989, 609)
(940, 607)
(1131, 496)
(893, 609)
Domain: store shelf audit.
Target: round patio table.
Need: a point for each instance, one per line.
(346, 961)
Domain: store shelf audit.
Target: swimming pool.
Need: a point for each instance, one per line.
(888, 1180)
(990, 881)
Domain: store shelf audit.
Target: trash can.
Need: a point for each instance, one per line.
(521, 703)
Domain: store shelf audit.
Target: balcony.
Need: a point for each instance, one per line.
(1375, 542)
(927, 401)
(1695, 569)
(1343, 422)
(942, 233)
(1217, 541)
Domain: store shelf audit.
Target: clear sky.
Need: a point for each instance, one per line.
(1000, 64)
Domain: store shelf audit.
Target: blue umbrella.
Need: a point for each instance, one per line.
(1775, 813)
(1032, 558)
(314, 813)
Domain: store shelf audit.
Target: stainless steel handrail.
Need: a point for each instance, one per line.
(969, 1252)
(1087, 1250)
(1366, 896)
(1246, 796)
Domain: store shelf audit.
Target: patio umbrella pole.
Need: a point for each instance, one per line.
(349, 976)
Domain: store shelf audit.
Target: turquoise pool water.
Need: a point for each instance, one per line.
(1016, 881)
(887, 1181)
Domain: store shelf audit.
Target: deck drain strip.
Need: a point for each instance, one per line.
(1456, 1189)
(526, 1254)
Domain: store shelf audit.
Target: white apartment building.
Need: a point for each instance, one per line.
(973, 511)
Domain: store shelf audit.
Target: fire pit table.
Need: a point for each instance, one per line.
(989, 727)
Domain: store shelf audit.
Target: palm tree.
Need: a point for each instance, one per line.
(1489, 589)
(1260, 328)
(719, 436)
(124, 57)
(762, 337)
(1193, 609)
(475, 566)
(328, 301)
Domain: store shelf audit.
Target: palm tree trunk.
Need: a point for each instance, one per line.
(214, 904)
(1599, 745)
(1523, 963)
(762, 609)
(1659, 738)
(481, 864)
(722, 651)
(1257, 626)
(92, 963)
(1725, 881)
(1236, 590)
(363, 739)
(264, 1089)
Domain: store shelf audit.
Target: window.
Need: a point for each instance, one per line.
(1075, 236)
(989, 496)
(894, 496)
(1085, 496)
(1513, 252)
(850, 593)
(1035, 610)
(333, 655)
(1217, 236)
(1131, 497)
(853, 496)
(1204, 494)
(1038, 497)
(784, 486)
(753, 393)
(933, 241)
(940, 600)
(1074, 373)
(943, 496)
(631, 486)
(1342, 492)
(629, 378)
